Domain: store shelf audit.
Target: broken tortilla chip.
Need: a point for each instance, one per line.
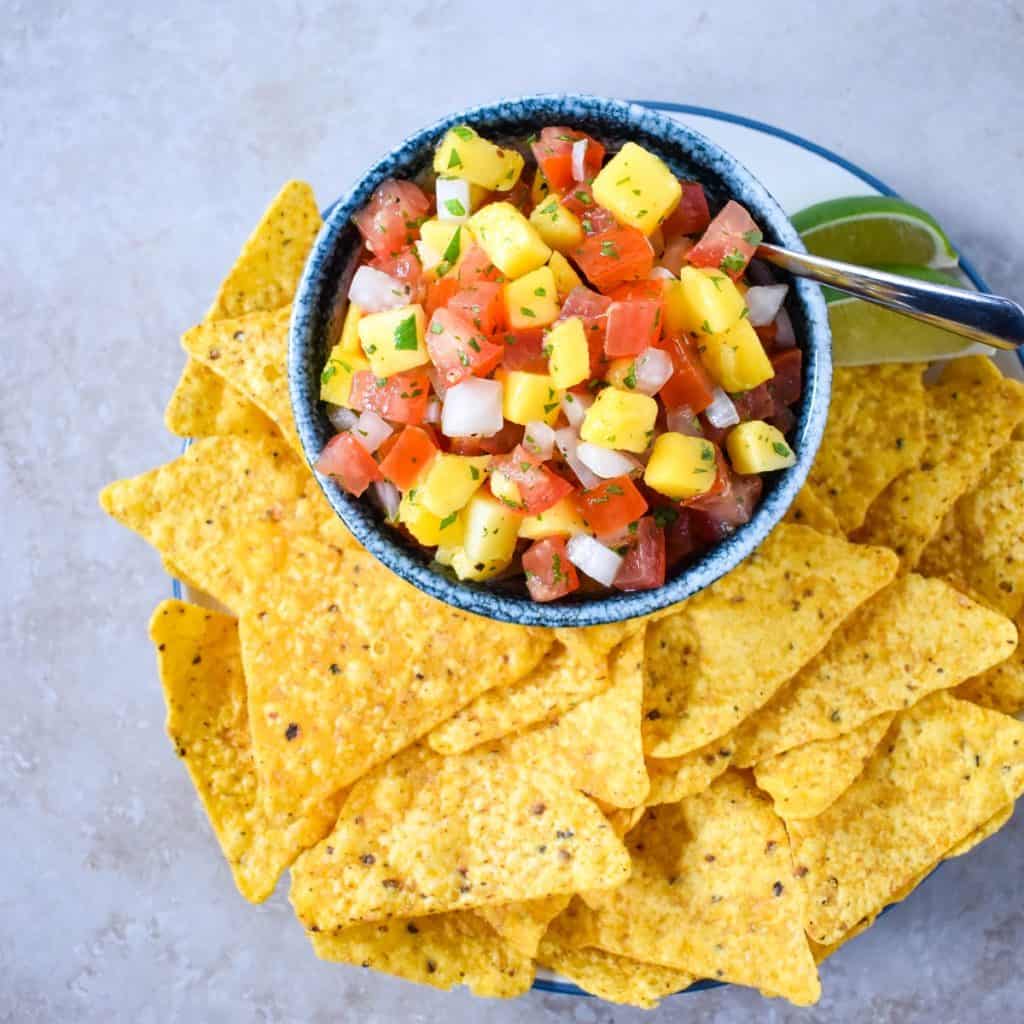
(730, 647)
(208, 723)
(204, 405)
(522, 925)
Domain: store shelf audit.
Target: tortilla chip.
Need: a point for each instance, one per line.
(945, 768)
(809, 509)
(347, 664)
(522, 925)
(982, 832)
(443, 951)
(980, 546)
(731, 646)
(875, 432)
(596, 746)
(562, 680)
(1001, 688)
(916, 636)
(804, 781)
(673, 778)
(711, 894)
(203, 405)
(208, 723)
(623, 819)
(190, 509)
(251, 354)
(616, 979)
(426, 834)
(970, 413)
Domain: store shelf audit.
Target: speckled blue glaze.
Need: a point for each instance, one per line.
(320, 305)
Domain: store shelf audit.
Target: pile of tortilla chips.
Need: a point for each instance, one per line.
(729, 790)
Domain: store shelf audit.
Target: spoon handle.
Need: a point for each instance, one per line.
(990, 319)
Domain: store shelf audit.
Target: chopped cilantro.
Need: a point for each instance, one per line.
(745, 313)
(463, 132)
(454, 160)
(526, 311)
(706, 327)
(584, 198)
(716, 281)
(665, 516)
(329, 371)
(615, 490)
(609, 249)
(406, 336)
(540, 292)
(707, 453)
(733, 262)
(630, 379)
(455, 208)
(448, 520)
(556, 568)
(753, 237)
(454, 247)
(474, 473)
(781, 449)
(474, 344)
(436, 328)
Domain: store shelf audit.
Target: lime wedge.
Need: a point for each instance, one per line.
(872, 230)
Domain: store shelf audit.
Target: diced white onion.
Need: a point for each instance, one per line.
(387, 496)
(652, 369)
(721, 413)
(605, 462)
(575, 408)
(376, 291)
(433, 412)
(567, 441)
(539, 438)
(472, 409)
(371, 431)
(593, 558)
(579, 160)
(683, 421)
(764, 302)
(454, 191)
(661, 272)
(341, 418)
(429, 257)
(785, 337)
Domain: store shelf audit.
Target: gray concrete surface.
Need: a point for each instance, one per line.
(138, 140)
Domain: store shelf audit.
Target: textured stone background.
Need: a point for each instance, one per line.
(138, 142)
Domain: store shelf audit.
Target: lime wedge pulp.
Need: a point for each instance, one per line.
(874, 229)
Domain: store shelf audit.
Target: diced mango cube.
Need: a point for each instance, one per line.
(558, 226)
(478, 571)
(706, 301)
(393, 341)
(464, 154)
(451, 481)
(758, 447)
(336, 378)
(618, 419)
(448, 240)
(637, 187)
(506, 491)
(426, 527)
(566, 277)
(491, 531)
(736, 358)
(681, 466)
(529, 396)
(568, 354)
(511, 242)
(563, 519)
(349, 340)
(532, 300)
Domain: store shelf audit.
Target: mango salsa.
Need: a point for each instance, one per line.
(638, 187)
(681, 466)
(393, 340)
(511, 242)
(562, 519)
(736, 359)
(568, 353)
(491, 531)
(566, 277)
(532, 300)
(558, 226)
(618, 419)
(758, 447)
(705, 301)
(426, 527)
(449, 240)
(529, 396)
(464, 154)
(451, 481)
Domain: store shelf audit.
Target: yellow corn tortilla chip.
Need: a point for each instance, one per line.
(810, 509)
(970, 412)
(522, 925)
(875, 432)
(731, 646)
(1002, 686)
(191, 509)
(915, 636)
(426, 834)
(616, 979)
(711, 893)
(566, 676)
(208, 723)
(802, 782)
(347, 664)
(251, 354)
(945, 768)
(597, 745)
(980, 546)
(982, 832)
(673, 778)
(203, 405)
(443, 951)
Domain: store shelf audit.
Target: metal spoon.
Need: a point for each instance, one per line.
(990, 319)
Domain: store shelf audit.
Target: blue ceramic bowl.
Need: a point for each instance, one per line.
(320, 306)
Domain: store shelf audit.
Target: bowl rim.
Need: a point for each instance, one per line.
(617, 606)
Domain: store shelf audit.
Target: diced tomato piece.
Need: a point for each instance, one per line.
(476, 266)
(643, 567)
(524, 350)
(483, 305)
(691, 215)
(439, 291)
(650, 289)
(616, 255)
(787, 384)
(549, 573)
(411, 453)
(458, 350)
(585, 303)
(714, 518)
(404, 265)
(675, 255)
(539, 488)
(345, 459)
(390, 219)
(497, 444)
(553, 153)
(729, 241)
(756, 404)
(689, 384)
(401, 398)
(784, 419)
(611, 505)
(633, 325)
(597, 220)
